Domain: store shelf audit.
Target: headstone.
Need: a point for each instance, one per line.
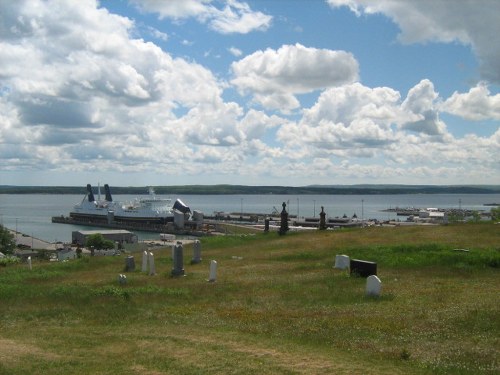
(342, 262)
(178, 269)
(144, 261)
(29, 263)
(122, 279)
(373, 286)
(322, 219)
(266, 224)
(129, 264)
(196, 252)
(151, 260)
(284, 221)
(213, 271)
(362, 268)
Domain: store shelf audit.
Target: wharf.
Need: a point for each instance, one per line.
(190, 229)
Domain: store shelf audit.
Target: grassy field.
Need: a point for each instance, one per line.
(277, 307)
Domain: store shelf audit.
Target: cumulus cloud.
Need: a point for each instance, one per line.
(477, 104)
(420, 102)
(76, 83)
(234, 17)
(274, 76)
(473, 23)
(235, 51)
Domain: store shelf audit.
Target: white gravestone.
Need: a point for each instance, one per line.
(342, 262)
(144, 261)
(373, 286)
(213, 271)
(29, 263)
(152, 270)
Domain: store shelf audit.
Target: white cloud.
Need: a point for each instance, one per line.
(477, 104)
(473, 23)
(235, 51)
(274, 76)
(75, 83)
(234, 17)
(421, 103)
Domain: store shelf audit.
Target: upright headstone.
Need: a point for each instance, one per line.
(373, 286)
(196, 252)
(178, 269)
(284, 221)
(266, 224)
(213, 271)
(341, 262)
(322, 219)
(151, 259)
(129, 264)
(29, 263)
(144, 261)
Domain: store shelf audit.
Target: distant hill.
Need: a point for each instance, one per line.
(244, 189)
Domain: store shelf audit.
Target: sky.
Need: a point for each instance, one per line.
(264, 92)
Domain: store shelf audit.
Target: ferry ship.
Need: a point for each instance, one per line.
(150, 209)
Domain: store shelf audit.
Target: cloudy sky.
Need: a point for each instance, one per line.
(264, 92)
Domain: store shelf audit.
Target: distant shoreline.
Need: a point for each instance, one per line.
(259, 190)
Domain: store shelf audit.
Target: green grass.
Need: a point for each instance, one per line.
(278, 307)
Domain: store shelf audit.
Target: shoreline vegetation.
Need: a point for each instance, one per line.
(277, 306)
(281, 190)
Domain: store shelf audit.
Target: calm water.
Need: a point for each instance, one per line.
(32, 213)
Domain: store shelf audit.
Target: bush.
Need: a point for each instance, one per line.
(8, 260)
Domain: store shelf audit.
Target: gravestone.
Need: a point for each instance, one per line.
(322, 219)
(144, 261)
(29, 263)
(122, 279)
(178, 269)
(129, 264)
(266, 224)
(213, 271)
(341, 262)
(284, 221)
(196, 252)
(362, 268)
(151, 260)
(373, 286)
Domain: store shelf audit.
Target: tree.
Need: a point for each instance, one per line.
(97, 241)
(7, 241)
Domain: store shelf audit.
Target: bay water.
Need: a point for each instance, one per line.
(31, 213)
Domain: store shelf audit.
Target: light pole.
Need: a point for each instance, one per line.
(362, 213)
(314, 212)
(241, 208)
(297, 208)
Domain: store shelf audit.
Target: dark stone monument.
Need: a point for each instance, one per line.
(129, 264)
(363, 268)
(196, 252)
(178, 269)
(284, 221)
(322, 219)
(266, 224)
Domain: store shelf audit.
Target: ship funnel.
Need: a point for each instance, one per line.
(108, 193)
(90, 194)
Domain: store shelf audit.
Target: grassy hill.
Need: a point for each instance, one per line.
(278, 307)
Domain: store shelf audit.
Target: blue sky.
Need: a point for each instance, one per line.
(278, 92)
